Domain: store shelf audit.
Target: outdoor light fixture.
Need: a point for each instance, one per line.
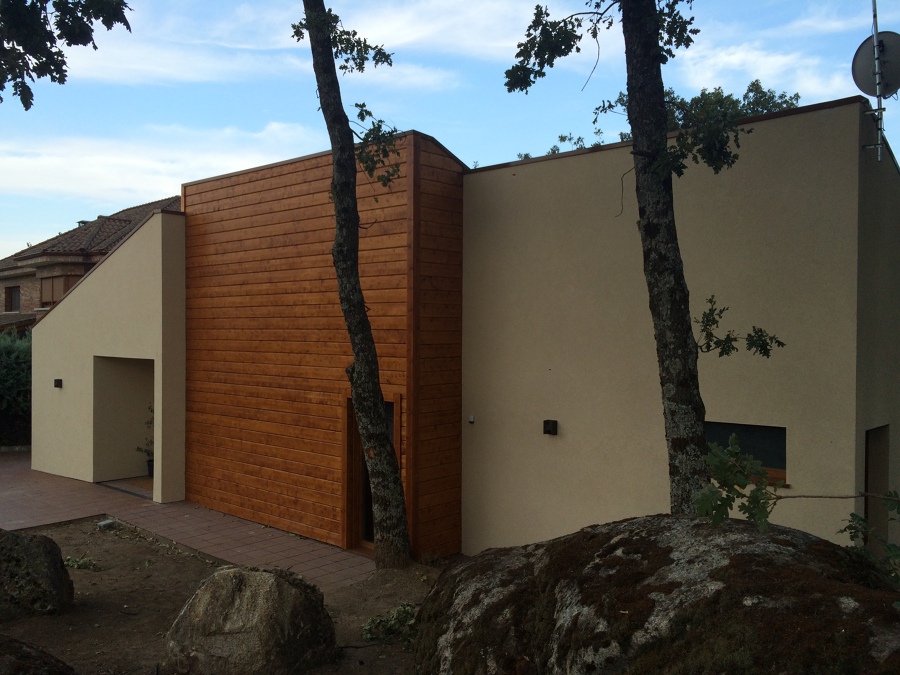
(551, 427)
(57, 383)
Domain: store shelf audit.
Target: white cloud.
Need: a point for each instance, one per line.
(141, 63)
(824, 20)
(409, 76)
(188, 41)
(255, 26)
(145, 167)
(733, 66)
(481, 30)
(489, 29)
(243, 43)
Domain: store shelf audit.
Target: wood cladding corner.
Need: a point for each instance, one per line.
(267, 423)
(412, 389)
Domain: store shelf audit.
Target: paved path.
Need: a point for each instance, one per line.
(31, 498)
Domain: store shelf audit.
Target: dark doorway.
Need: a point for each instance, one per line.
(361, 518)
(877, 482)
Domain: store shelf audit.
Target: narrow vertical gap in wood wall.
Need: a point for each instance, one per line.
(398, 426)
(412, 337)
(346, 533)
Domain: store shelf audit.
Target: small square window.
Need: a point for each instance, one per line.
(12, 299)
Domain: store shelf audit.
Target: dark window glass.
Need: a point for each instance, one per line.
(12, 299)
(767, 444)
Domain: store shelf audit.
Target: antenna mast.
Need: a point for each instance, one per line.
(879, 110)
(878, 56)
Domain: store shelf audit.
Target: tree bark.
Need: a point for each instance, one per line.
(392, 546)
(676, 347)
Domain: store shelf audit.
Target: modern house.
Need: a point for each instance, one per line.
(501, 298)
(35, 279)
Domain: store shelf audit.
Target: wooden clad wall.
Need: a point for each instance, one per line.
(266, 341)
(436, 349)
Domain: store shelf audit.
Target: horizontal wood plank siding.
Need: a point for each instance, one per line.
(267, 345)
(437, 363)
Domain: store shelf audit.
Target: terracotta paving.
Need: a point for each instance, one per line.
(31, 498)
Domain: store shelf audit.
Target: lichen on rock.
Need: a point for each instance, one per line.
(662, 594)
(33, 578)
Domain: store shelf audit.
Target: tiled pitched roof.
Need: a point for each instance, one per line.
(96, 236)
(15, 320)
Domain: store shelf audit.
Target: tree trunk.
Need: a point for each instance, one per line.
(676, 347)
(392, 547)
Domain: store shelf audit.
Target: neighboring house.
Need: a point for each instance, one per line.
(500, 297)
(35, 279)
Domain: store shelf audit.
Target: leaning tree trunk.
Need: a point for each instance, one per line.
(392, 547)
(676, 348)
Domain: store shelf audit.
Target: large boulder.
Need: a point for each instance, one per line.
(21, 658)
(33, 578)
(663, 594)
(243, 621)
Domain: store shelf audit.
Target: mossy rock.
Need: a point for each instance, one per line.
(661, 594)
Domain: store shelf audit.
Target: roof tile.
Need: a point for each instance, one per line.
(97, 236)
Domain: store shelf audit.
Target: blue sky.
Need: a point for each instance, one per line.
(205, 87)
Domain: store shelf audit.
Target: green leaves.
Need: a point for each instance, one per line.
(349, 48)
(675, 29)
(15, 373)
(545, 42)
(377, 143)
(376, 147)
(760, 342)
(758, 101)
(740, 479)
(399, 622)
(714, 504)
(32, 32)
(859, 531)
(757, 341)
(707, 124)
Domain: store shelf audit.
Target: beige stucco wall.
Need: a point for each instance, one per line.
(556, 326)
(878, 359)
(129, 308)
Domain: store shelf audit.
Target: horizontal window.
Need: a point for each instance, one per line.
(767, 444)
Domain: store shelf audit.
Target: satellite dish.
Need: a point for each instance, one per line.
(889, 57)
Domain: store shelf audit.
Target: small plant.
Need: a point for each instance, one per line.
(738, 478)
(858, 529)
(147, 447)
(82, 563)
(757, 340)
(399, 622)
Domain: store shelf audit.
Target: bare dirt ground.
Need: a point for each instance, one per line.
(129, 588)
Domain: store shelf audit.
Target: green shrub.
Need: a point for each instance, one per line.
(399, 622)
(15, 372)
(15, 388)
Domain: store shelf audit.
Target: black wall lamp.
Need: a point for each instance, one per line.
(57, 383)
(551, 427)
